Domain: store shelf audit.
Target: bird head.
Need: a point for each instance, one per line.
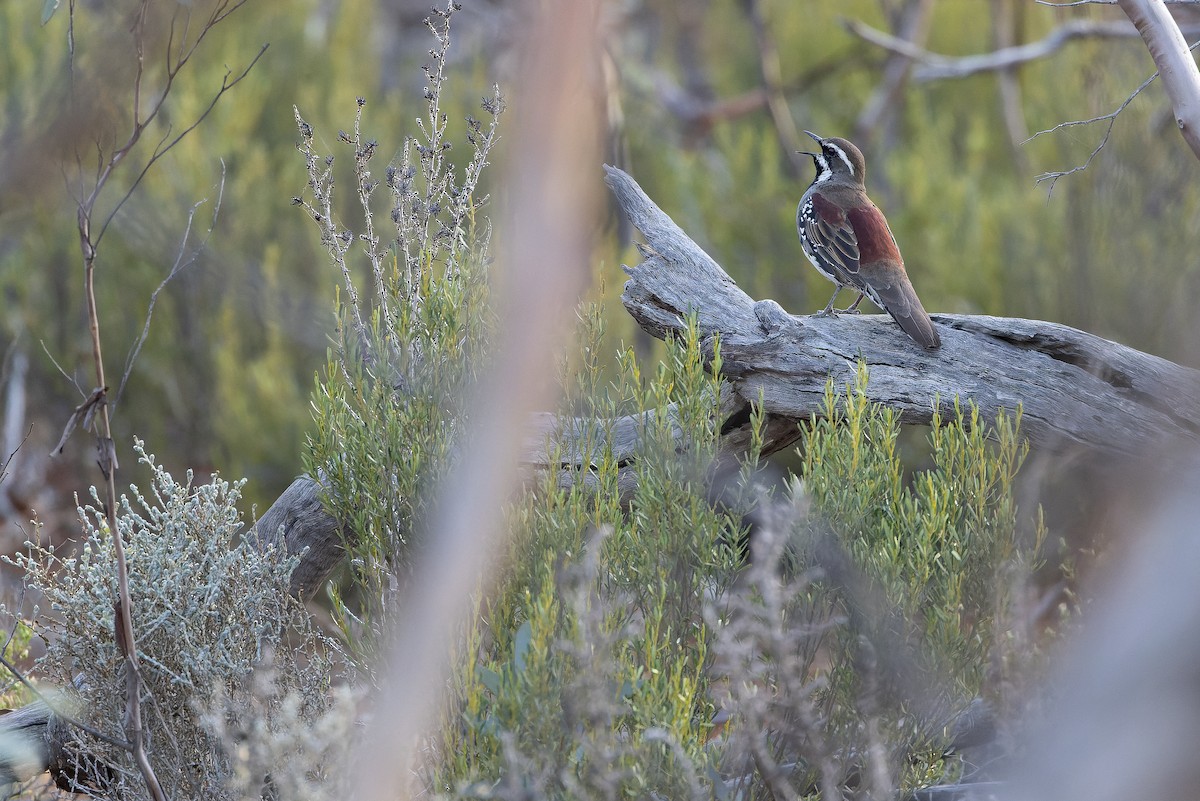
(837, 160)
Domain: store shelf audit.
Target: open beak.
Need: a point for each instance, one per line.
(813, 135)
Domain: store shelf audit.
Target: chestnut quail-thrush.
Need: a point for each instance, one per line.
(848, 240)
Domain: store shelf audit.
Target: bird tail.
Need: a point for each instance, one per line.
(893, 292)
(918, 326)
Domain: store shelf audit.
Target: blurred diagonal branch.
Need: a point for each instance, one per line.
(556, 136)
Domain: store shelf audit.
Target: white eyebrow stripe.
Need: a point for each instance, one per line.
(843, 156)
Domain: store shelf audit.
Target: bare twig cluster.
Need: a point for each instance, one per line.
(434, 213)
(1163, 36)
(1110, 118)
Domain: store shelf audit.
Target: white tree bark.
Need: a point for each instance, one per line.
(1174, 61)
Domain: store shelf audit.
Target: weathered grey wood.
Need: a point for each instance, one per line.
(698, 284)
(26, 750)
(1076, 390)
(299, 523)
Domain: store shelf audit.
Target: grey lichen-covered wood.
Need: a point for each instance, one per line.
(298, 521)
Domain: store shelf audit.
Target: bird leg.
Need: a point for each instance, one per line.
(853, 307)
(829, 311)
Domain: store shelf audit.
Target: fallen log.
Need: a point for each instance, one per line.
(1076, 390)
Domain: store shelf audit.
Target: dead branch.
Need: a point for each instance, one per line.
(935, 66)
(1110, 118)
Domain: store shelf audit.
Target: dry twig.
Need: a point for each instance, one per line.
(935, 66)
(176, 57)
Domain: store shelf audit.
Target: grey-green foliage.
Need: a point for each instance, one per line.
(586, 676)
(933, 541)
(389, 406)
(623, 624)
(208, 609)
(305, 749)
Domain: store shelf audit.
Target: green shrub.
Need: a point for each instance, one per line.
(935, 541)
(390, 404)
(586, 676)
(938, 559)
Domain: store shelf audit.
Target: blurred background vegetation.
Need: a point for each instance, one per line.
(225, 378)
